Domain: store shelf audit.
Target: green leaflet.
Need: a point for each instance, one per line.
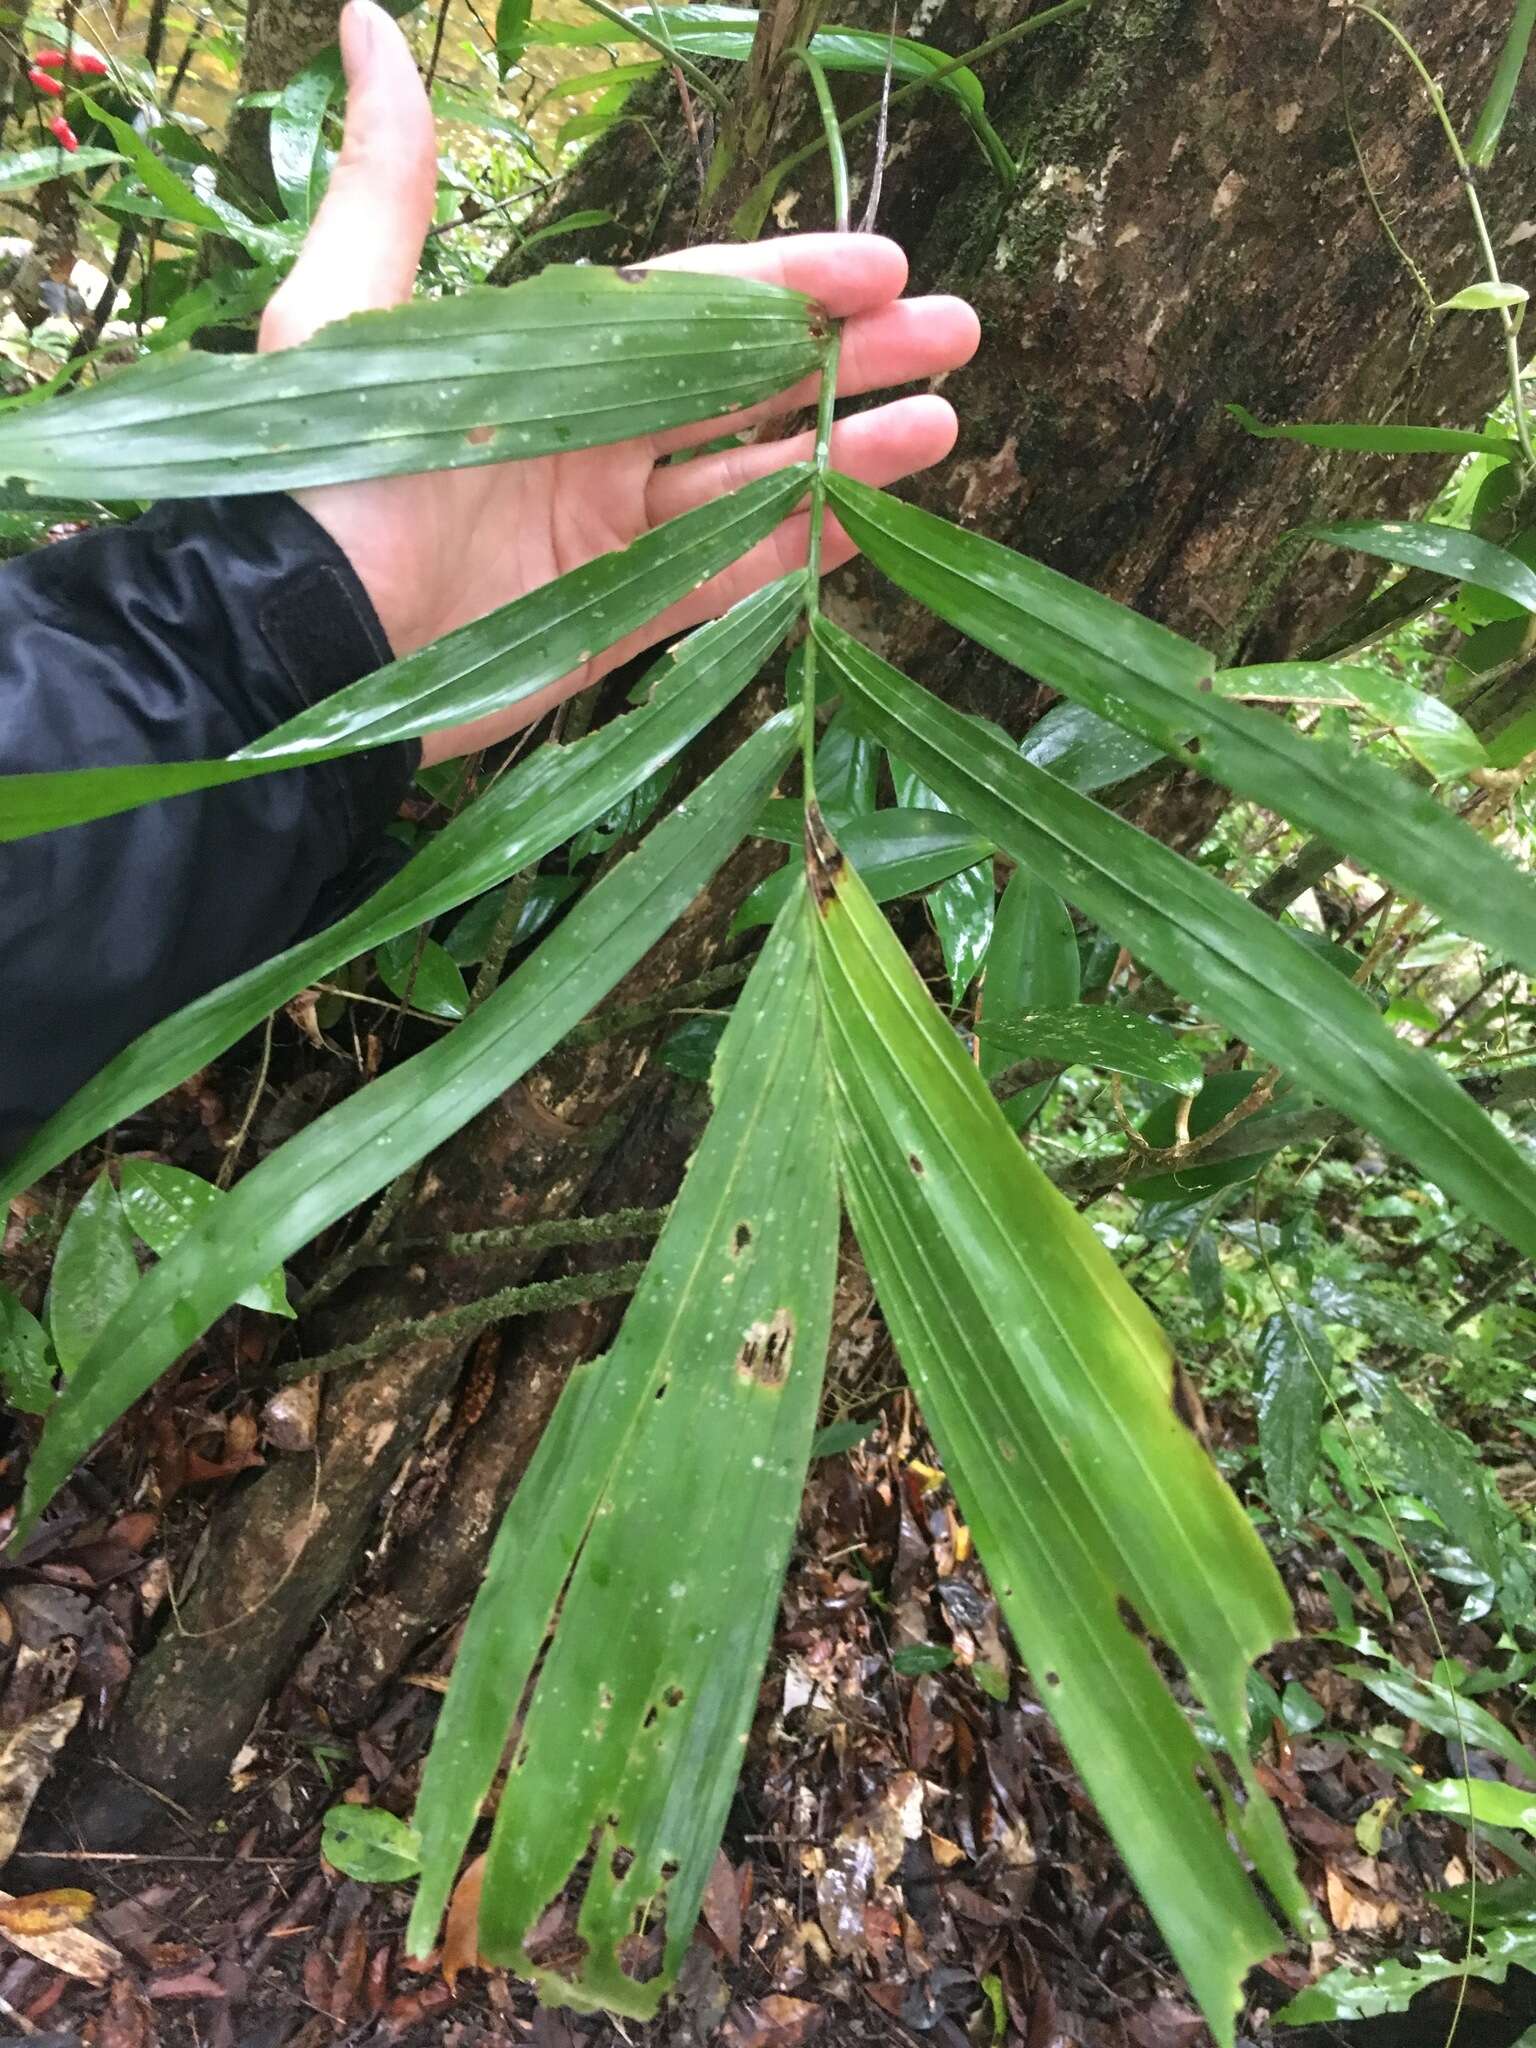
(1049, 1390)
(22, 168)
(294, 131)
(1447, 1712)
(370, 1844)
(1207, 942)
(422, 974)
(902, 851)
(483, 667)
(1448, 550)
(26, 1367)
(162, 1203)
(1441, 1467)
(1380, 440)
(1383, 1312)
(94, 1273)
(1083, 750)
(1490, 122)
(1494, 1804)
(529, 812)
(632, 1741)
(1437, 737)
(964, 908)
(1293, 1359)
(1145, 678)
(574, 358)
(1094, 1035)
(1392, 1986)
(208, 211)
(1033, 965)
(355, 1148)
(512, 23)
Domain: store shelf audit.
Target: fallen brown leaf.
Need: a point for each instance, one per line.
(71, 1950)
(862, 1859)
(461, 1935)
(127, 2021)
(26, 1753)
(779, 2022)
(45, 1912)
(722, 1907)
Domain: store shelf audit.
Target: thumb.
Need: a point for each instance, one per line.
(362, 251)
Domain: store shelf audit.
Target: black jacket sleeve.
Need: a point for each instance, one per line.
(178, 637)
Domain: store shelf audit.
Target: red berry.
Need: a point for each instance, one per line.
(87, 64)
(40, 81)
(62, 133)
(49, 60)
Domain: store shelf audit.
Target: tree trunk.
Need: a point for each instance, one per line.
(1189, 226)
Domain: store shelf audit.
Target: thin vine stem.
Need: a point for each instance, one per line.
(831, 133)
(1485, 241)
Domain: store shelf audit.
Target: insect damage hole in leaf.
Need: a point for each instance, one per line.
(767, 1349)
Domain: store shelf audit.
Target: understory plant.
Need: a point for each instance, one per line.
(612, 1661)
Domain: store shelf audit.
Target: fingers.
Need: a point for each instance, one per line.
(366, 241)
(892, 441)
(845, 274)
(877, 448)
(899, 343)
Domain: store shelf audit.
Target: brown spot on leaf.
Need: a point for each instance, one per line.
(1053, 1678)
(480, 437)
(766, 1350)
(1129, 1617)
(915, 1163)
(741, 1237)
(824, 861)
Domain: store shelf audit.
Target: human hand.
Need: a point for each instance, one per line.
(439, 550)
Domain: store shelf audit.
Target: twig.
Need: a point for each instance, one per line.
(237, 1143)
(473, 1317)
(543, 1236)
(437, 43)
(346, 1262)
(656, 1009)
(500, 943)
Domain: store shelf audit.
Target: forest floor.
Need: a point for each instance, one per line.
(910, 1857)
